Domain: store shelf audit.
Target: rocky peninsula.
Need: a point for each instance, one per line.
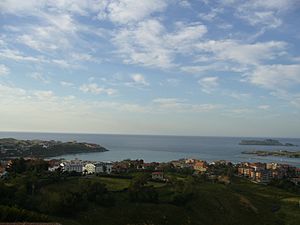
(267, 142)
(12, 148)
(280, 153)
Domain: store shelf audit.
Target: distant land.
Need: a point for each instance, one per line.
(12, 148)
(268, 142)
(280, 153)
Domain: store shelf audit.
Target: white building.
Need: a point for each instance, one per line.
(103, 167)
(99, 168)
(108, 168)
(89, 168)
(73, 167)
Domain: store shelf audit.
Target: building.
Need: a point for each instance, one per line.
(77, 167)
(200, 166)
(263, 176)
(89, 168)
(157, 176)
(271, 166)
(109, 167)
(120, 167)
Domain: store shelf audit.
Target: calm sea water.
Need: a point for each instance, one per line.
(164, 148)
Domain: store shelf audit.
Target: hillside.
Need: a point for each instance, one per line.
(119, 200)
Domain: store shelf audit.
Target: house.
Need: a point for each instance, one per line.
(157, 176)
(246, 171)
(263, 176)
(89, 168)
(109, 167)
(200, 166)
(271, 166)
(54, 168)
(120, 167)
(150, 166)
(54, 165)
(99, 167)
(77, 167)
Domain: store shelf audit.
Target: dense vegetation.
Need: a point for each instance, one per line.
(11, 148)
(31, 193)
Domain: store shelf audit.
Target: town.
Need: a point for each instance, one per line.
(257, 172)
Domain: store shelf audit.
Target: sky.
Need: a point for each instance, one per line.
(172, 67)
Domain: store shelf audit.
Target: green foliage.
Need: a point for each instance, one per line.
(21, 165)
(285, 185)
(139, 192)
(113, 200)
(96, 192)
(13, 214)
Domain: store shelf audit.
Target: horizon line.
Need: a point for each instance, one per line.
(132, 134)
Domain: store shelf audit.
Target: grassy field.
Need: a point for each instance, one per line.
(240, 203)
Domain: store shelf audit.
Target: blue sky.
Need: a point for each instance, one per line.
(174, 67)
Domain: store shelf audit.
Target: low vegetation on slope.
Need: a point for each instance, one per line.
(135, 199)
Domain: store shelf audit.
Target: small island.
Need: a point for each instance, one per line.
(280, 153)
(268, 142)
(12, 148)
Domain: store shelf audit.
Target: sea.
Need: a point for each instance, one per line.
(152, 148)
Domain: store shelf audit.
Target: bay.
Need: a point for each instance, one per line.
(165, 148)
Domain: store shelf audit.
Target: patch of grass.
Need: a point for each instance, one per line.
(114, 184)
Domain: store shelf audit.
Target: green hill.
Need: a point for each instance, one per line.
(116, 201)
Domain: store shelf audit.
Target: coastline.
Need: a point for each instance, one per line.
(163, 148)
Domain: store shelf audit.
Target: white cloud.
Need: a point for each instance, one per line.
(276, 76)
(82, 57)
(8, 91)
(237, 95)
(44, 95)
(4, 70)
(172, 82)
(66, 84)
(62, 63)
(56, 33)
(15, 6)
(181, 105)
(243, 53)
(126, 11)
(266, 18)
(95, 89)
(40, 77)
(185, 35)
(290, 97)
(18, 56)
(212, 15)
(138, 79)
(143, 44)
(208, 84)
(185, 3)
(264, 107)
(266, 14)
(148, 43)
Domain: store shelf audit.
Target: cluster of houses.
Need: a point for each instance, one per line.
(199, 166)
(79, 166)
(256, 172)
(265, 172)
